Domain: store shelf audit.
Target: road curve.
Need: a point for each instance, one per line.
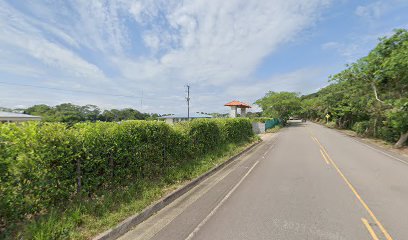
(307, 182)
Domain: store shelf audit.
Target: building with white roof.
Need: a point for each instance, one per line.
(180, 118)
(17, 117)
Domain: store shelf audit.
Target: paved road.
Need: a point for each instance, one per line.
(307, 182)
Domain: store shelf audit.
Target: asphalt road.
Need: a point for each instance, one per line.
(306, 182)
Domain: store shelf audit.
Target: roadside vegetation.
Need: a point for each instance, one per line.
(369, 97)
(280, 105)
(275, 129)
(70, 113)
(72, 182)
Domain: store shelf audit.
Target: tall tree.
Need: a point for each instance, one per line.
(371, 94)
(280, 104)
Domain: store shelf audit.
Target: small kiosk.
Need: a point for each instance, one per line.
(234, 106)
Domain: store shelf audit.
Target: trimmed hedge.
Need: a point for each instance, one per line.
(45, 165)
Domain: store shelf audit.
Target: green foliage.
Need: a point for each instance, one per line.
(397, 117)
(235, 130)
(371, 95)
(280, 105)
(46, 165)
(71, 114)
(361, 128)
(275, 129)
(36, 161)
(205, 135)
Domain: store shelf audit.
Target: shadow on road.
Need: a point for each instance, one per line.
(296, 123)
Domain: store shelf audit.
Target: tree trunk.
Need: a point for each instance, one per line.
(375, 92)
(403, 138)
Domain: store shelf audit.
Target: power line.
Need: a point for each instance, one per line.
(68, 90)
(82, 91)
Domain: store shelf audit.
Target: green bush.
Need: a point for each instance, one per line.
(331, 125)
(45, 165)
(235, 130)
(205, 135)
(37, 169)
(361, 128)
(388, 134)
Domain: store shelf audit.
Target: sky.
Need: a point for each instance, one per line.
(142, 53)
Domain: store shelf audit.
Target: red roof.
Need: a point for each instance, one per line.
(238, 104)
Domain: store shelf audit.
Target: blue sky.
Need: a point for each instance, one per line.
(141, 54)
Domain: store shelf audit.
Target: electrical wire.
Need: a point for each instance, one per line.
(86, 92)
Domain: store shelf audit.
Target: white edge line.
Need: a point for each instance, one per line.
(267, 150)
(389, 155)
(386, 154)
(189, 237)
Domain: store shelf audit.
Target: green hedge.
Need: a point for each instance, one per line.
(48, 164)
(235, 130)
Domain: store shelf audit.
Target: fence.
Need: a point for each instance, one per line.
(271, 123)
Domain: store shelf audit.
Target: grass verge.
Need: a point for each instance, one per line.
(86, 217)
(370, 140)
(275, 129)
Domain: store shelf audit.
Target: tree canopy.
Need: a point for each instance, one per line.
(280, 104)
(70, 113)
(371, 95)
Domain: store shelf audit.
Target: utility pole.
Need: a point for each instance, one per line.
(188, 102)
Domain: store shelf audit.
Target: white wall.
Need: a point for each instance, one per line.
(258, 127)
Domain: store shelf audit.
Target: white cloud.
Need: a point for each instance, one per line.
(304, 80)
(330, 45)
(21, 36)
(355, 47)
(350, 51)
(136, 9)
(210, 44)
(375, 10)
(226, 41)
(21, 70)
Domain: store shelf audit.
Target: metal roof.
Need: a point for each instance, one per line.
(193, 115)
(15, 116)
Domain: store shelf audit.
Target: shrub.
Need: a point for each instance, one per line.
(388, 134)
(48, 164)
(361, 128)
(205, 135)
(331, 124)
(235, 130)
(37, 167)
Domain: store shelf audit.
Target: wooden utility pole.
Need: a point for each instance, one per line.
(188, 102)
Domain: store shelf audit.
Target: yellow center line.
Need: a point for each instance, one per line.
(386, 234)
(369, 228)
(314, 139)
(324, 157)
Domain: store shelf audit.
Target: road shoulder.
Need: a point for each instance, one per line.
(136, 219)
(375, 144)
